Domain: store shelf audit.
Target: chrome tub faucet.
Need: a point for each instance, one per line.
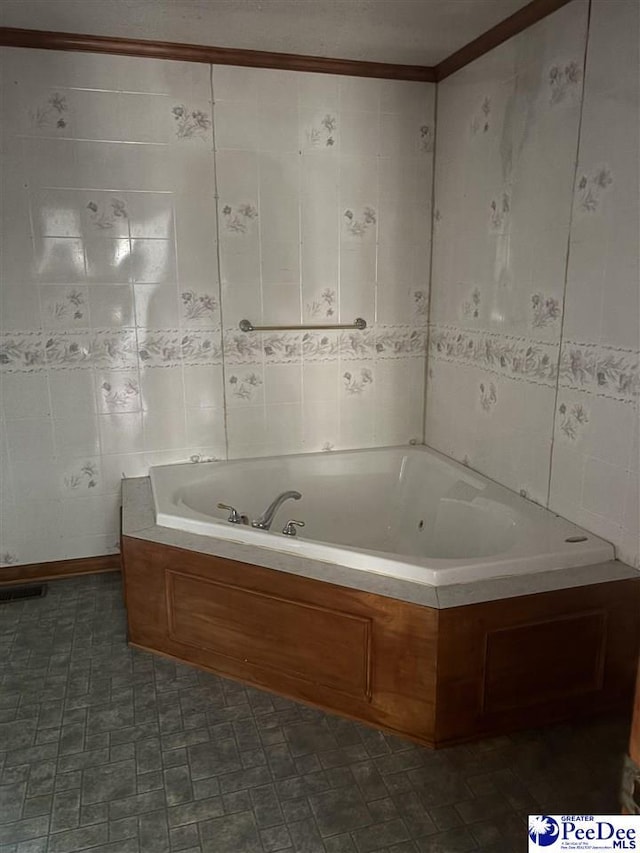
(264, 521)
(235, 517)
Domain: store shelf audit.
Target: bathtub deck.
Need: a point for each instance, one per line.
(138, 522)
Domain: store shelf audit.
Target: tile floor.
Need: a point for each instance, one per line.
(104, 748)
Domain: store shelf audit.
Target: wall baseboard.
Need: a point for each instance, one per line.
(59, 569)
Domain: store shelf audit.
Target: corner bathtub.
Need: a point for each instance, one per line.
(405, 512)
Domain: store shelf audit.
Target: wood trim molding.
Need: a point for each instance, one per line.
(530, 14)
(511, 26)
(43, 39)
(59, 569)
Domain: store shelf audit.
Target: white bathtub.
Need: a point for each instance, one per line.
(407, 512)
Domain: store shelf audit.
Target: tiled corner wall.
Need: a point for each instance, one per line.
(324, 197)
(536, 388)
(112, 311)
(141, 222)
(595, 473)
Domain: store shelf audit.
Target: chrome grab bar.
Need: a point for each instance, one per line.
(247, 326)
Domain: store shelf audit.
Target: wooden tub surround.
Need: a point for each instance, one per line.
(435, 675)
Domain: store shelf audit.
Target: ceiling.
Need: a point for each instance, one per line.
(408, 32)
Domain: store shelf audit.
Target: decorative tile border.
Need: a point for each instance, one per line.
(600, 370)
(507, 355)
(201, 347)
(603, 371)
(401, 341)
(21, 351)
(27, 352)
(159, 347)
(171, 347)
(282, 347)
(239, 347)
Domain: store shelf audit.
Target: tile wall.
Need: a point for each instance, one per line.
(141, 222)
(324, 196)
(595, 471)
(536, 388)
(119, 306)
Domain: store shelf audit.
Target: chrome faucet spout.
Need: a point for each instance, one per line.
(264, 521)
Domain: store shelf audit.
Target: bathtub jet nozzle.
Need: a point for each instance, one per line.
(264, 521)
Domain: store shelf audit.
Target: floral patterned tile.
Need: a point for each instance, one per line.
(321, 132)
(114, 348)
(499, 210)
(242, 347)
(325, 345)
(471, 307)
(591, 189)
(571, 420)
(245, 387)
(239, 219)
(488, 396)
(605, 371)
(322, 306)
(118, 392)
(520, 358)
(420, 307)
(320, 346)
(546, 311)
(110, 349)
(564, 81)
(52, 113)
(282, 346)
(359, 224)
(357, 381)
(201, 347)
(481, 121)
(426, 141)
(171, 347)
(64, 307)
(400, 342)
(69, 349)
(108, 215)
(22, 351)
(80, 476)
(9, 557)
(190, 123)
(199, 308)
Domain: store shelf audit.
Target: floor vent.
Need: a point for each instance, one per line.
(18, 593)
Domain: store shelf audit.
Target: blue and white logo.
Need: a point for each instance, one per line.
(583, 832)
(543, 830)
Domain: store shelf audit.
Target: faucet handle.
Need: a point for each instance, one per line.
(290, 527)
(234, 516)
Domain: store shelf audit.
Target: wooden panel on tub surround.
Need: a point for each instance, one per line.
(387, 646)
(513, 654)
(584, 639)
(208, 614)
